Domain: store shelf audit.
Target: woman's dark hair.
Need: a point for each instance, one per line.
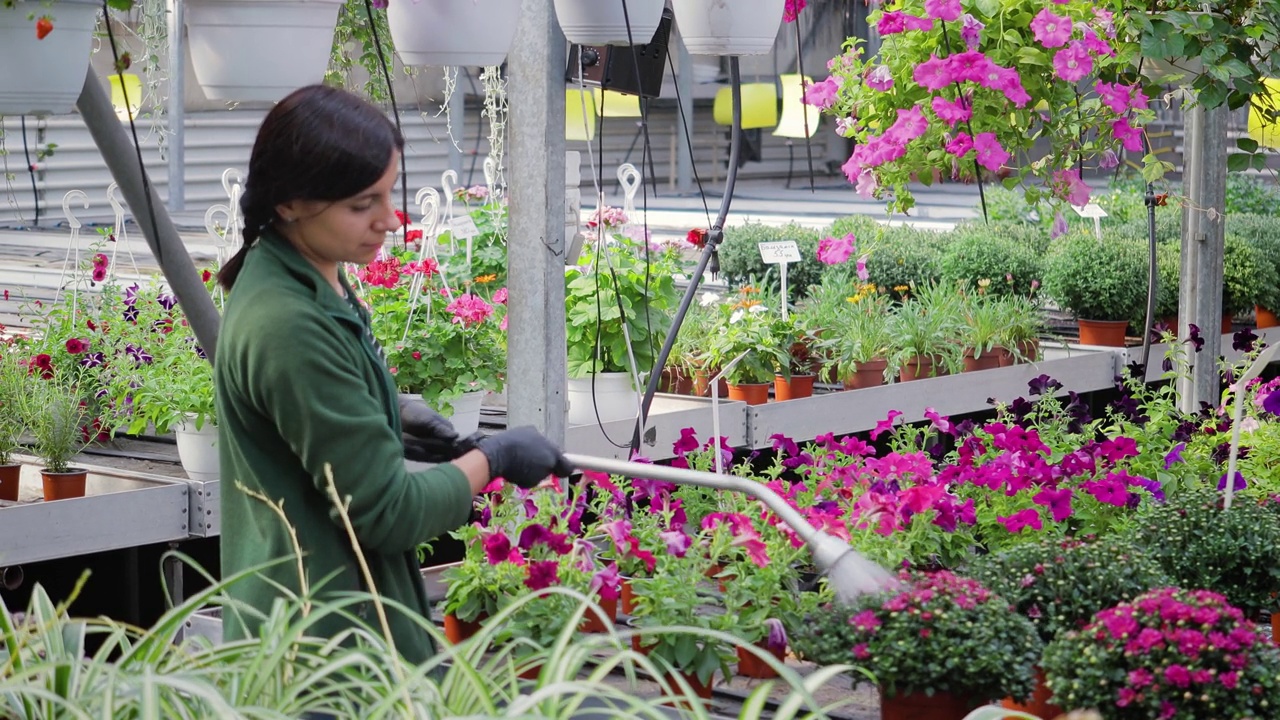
(319, 143)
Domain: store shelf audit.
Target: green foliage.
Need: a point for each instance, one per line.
(1262, 232)
(353, 29)
(905, 257)
(1059, 584)
(740, 260)
(13, 382)
(1199, 545)
(1098, 279)
(55, 416)
(756, 330)
(1247, 277)
(632, 288)
(986, 252)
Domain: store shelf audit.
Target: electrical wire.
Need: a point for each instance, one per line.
(395, 110)
(31, 170)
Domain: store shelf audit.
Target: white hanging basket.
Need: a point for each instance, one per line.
(453, 32)
(604, 22)
(728, 27)
(40, 77)
(614, 398)
(259, 49)
(198, 450)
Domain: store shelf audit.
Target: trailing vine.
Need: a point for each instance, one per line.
(353, 29)
(496, 112)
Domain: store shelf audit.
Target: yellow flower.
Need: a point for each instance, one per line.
(483, 279)
(984, 282)
(901, 288)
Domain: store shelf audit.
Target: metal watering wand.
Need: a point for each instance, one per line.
(849, 572)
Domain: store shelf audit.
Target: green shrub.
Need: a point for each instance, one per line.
(1251, 195)
(1098, 279)
(1247, 277)
(740, 257)
(905, 256)
(863, 227)
(977, 252)
(1263, 233)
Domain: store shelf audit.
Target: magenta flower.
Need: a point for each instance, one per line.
(1007, 81)
(880, 78)
(951, 112)
(1051, 30)
(1057, 501)
(792, 9)
(1108, 159)
(498, 549)
(1130, 137)
(500, 297)
(1093, 43)
(677, 541)
(971, 31)
(866, 186)
(885, 425)
(1017, 522)
(1073, 63)
(1068, 186)
(1110, 491)
(1059, 227)
(933, 74)
(469, 310)
(823, 94)
(1114, 95)
(75, 346)
(863, 275)
(865, 621)
(944, 10)
(970, 66)
(891, 23)
(538, 534)
(911, 124)
(606, 583)
(990, 155)
(542, 574)
(836, 251)
(776, 638)
(960, 145)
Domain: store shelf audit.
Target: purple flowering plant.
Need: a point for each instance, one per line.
(959, 88)
(1172, 654)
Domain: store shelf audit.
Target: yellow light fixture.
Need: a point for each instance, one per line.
(133, 86)
(580, 116)
(1266, 132)
(759, 106)
(612, 103)
(794, 110)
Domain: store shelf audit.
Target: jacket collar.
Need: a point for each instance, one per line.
(277, 250)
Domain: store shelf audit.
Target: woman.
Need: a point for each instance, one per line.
(303, 390)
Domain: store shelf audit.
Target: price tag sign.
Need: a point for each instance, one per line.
(1092, 210)
(781, 252)
(463, 227)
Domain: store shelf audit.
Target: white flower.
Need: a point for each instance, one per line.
(737, 315)
(708, 299)
(758, 309)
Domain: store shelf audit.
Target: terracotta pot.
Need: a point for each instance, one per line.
(636, 646)
(918, 706)
(1107, 333)
(702, 384)
(10, 481)
(591, 622)
(1030, 349)
(989, 361)
(1228, 321)
(64, 485)
(674, 381)
(627, 598)
(531, 672)
(799, 386)
(750, 665)
(1039, 704)
(918, 368)
(457, 631)
(867, 374)
(1264, 318)
(702, 690)
(751, 394)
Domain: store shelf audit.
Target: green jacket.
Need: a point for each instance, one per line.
(300, 387)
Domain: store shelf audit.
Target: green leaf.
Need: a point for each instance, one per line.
(1248, 145)
(1237, 162)
(988, 7)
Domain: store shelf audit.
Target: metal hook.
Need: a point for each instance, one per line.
(211, 224)
(491, 172)
(428, 200)
(116, 206)
(66, 207)
(629, 178)
(230, 178)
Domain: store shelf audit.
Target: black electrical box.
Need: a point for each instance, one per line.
(634, 70)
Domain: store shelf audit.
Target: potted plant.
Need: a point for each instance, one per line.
(1169, 653)
(1060, 584)
(1247, 277)
(52, 42)
(1102, 281)
(977, 252)
(686, 370)
(984, 321)
(1019, 340)
(911, 639)
(13, 382)
(618, 301)
(236, 48)
(859, 345)
(1234, 552)
(977, 81)
(55, 415)
(927, 332)
(446, 344)
(1263, 233)
(748, 330)
(794, 377)
(711, 27)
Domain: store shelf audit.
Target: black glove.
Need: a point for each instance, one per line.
(523, 457)
(427, 435)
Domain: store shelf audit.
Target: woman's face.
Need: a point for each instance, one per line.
(344, 231)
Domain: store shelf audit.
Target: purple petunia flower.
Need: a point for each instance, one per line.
(1237, 486)
(140, 356)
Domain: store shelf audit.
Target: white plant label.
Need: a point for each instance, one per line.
(1092, 210)
(780, 252)
(463, 227)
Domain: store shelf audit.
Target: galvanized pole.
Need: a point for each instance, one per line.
(536, 359)
(177, 142)
(684, 119)
(166, 245)
(1200, 298)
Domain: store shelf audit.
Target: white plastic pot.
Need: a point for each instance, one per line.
(453, 32)
(466, 413)
(259, 49)
(612, 396)
(604, 22)
(198, 450)
(728, 27)
(39, 77)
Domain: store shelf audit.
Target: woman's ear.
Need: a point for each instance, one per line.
(288, 212)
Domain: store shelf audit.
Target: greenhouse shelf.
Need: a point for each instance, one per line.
(121, 509)
(670, 414)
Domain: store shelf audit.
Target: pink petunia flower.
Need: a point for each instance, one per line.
(836, 251)
(960, 145)
(863, 275)
(880, 78)
(971, 31)
(1073, 63)
(951, 112)
(1130, 137)
(1057, 501)
(944, 10)
(1017, 522)
(933, 74)
(990, 155)
(1067, 185)
(542, 574)
(1051, 30)
(792, 10)
(911, 124)
(823, 94)
(606, 583)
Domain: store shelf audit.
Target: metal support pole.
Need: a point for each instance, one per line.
(1200, 298)
(177, 108)
(537, 364)
(684, 143)
(166, 245)
(458, 123)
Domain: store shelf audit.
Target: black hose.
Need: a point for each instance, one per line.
(31, 169)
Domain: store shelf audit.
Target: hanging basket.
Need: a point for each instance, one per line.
(728, 27)
(603, 22)
(450, 32)
(259, 49)
(53, 69)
